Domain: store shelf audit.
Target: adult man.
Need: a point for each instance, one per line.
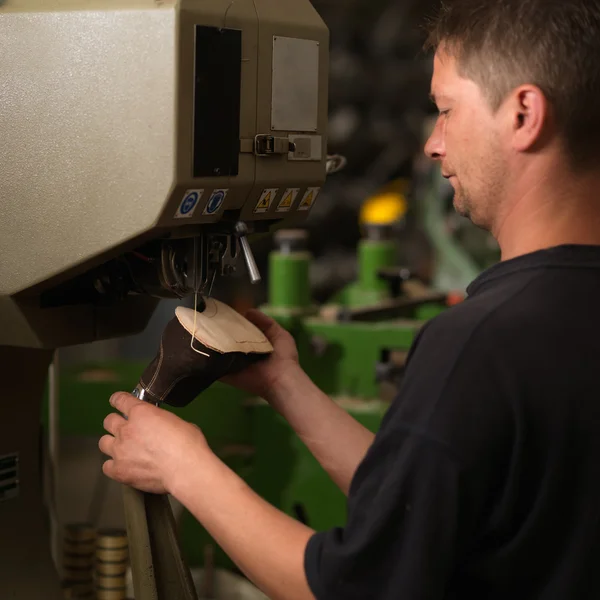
(482, 482)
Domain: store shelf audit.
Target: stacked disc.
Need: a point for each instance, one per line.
(112, 560)
(79, 544)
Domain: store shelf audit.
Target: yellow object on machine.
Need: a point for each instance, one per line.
(385, 208)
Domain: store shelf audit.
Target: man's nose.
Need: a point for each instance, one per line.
(435, 148)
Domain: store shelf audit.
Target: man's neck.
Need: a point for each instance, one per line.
(551, 211)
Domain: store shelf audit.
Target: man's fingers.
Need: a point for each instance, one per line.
(124, 402)
(132, 475)
(267, 325)
(115, 470)
(106, 445)
(113, 423)
(108, 468)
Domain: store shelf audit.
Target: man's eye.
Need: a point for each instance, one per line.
(444, 112)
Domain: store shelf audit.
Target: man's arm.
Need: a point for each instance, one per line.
(266, 544)
(337, 440)
(155, 451)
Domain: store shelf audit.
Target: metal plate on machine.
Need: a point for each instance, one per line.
(9, 476)
(295, 101)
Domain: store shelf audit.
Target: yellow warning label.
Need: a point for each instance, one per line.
(288, 199)
(309, 198)
(266, 199)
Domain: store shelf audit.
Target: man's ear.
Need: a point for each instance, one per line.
(530, 115)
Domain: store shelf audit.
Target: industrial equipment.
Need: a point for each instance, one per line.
(142, 141)
(353, 347)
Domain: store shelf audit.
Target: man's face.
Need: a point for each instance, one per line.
(467, 142)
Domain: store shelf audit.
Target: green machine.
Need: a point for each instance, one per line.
(357, 341)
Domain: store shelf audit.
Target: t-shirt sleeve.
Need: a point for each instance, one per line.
(425, 484)
(401, 534)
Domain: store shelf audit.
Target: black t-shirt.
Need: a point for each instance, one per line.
(483, 482)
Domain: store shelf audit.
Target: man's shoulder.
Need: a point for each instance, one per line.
(473, 320)
(500, 314)
(454, 394)
(458, 386)
(517, 304)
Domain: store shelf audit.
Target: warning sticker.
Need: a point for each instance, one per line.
(215, 202)
(287, 201)
(188, 205)
(266, 199)
(309, 198)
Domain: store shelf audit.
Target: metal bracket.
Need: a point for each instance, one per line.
(270, 145)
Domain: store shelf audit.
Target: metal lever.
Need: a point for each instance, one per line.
(241, 231)
(157, 564)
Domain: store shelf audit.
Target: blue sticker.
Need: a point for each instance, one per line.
(215, 202)
(189, 204)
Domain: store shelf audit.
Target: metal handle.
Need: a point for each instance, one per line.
(250, 262)
(241, 229)
(158, 568)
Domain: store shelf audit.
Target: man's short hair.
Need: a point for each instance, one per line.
(553, 44)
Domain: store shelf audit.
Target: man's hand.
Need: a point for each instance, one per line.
(337, 440)
(150, 446)
(261, 379)
(156, 452)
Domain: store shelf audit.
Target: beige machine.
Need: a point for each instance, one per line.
(140, 142)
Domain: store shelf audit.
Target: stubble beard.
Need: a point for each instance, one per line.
(481, 204)
(462, 202)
